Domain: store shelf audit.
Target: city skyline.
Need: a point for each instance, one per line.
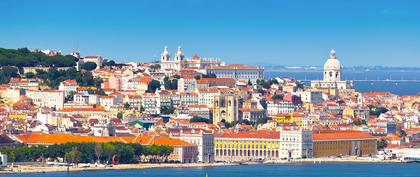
(281, 33)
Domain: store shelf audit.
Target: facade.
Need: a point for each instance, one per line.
(94, 59)
(312, 96)
(47, 98)
(296, 143)
(171, 64)
(203, 140)
(247, 146)
(68, 86)
(150, 103)
(343, 143)
(237, 72)
(225, 107)
(332, 75)
(206, 96)
(188, 84)
(279, 107)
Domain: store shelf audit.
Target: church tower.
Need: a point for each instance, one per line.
(165, 55)
(179, 59)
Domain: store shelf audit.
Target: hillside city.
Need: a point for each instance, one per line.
(58, 108)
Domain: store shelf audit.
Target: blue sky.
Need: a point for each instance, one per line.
(294, 32)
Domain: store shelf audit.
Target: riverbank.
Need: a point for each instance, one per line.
(48, 169)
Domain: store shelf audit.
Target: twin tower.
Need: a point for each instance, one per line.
(172, 64)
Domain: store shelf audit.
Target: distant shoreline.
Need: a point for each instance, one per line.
(50, 169)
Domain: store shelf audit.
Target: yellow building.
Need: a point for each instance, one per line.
(293, 118)
(348, 112)
(343, 143)
(18, 116)
(247, 146)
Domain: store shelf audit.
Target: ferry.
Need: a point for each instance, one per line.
(411, 159)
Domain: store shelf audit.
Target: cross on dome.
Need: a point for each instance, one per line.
(332, 54)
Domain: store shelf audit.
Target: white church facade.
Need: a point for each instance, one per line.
(172, 64)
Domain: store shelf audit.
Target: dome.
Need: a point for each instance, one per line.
(332, 63)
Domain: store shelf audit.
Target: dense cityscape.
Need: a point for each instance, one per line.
(69, 109)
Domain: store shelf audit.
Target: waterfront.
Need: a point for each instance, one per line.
(397, 87)
(294, 170)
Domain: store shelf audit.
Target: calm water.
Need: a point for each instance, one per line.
(294, 170)
(400, 88)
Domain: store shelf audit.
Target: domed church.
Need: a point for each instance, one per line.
(332, 76)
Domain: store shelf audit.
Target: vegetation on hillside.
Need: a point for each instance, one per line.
(24, 57)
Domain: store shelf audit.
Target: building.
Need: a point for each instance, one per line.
(47, 98)
(238, 72)
(172, 64)
(187, 84)
(216, 82)
(247, 146)
(312, 96)
(203, 140)
(343, 143)
(98, 60)
(225, 107)
(68, 86)
(206, 96)
(198, 62)
(183, 152)
(295, 143)
(332, 76)
(150, 103)
(279, 107)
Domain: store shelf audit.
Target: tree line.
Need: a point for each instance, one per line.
(89, 153)
(24, 57)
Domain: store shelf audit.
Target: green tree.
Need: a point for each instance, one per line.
(120, 115)
(382, 144)
(153, 86)
(73, 156)
(30, 75)
(200, 119)
(88, 66)
(277, 97)
(167, 110)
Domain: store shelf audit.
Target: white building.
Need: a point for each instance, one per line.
(203, 140)
(279, 107)
(332, 75)
(206, 96)
(82, 98)
(296, 143)
(311, 96)
(94, 59)
(150, 103)
(187, 84)
(68, 86)
(168, 64)
(47, 98)
(238, 72)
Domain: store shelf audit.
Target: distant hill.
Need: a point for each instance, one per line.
(23, 57)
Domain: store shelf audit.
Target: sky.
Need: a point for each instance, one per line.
(278, 32)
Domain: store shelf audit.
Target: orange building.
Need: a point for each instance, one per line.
(184, 152)
(343, 143)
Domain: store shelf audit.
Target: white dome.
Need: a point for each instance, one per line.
(332, 64)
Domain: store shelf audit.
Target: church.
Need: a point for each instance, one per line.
(332, 83)
(172, 64)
